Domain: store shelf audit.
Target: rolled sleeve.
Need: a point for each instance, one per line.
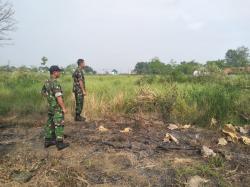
(57, 94)
(57, 90)
(79, 76)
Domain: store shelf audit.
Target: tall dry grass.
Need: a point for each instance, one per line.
(191, 100)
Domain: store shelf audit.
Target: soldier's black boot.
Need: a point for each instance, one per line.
(49, 142)
(79, 118)
(82, 118)
(61, 145)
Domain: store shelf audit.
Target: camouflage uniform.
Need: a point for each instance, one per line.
(77, 76)
(55, 124)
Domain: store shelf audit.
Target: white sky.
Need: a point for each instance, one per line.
(116, 34)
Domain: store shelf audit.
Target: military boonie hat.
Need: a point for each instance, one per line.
(54, 68)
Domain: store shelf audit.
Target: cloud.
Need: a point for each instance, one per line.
(195, 26)
(116, 34)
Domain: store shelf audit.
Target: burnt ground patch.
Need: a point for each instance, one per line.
(137, 158)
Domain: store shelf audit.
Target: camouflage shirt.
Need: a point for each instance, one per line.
(77, 76)
(52, 89)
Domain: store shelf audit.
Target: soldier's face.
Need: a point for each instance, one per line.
(57, 74)
(82, 65)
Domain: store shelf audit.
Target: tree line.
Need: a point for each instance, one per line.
(234, 58)
(68, 69)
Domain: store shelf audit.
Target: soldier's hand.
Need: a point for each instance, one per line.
(64, 110)
(84, 93)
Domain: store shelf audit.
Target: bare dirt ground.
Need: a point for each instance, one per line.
(113, 158)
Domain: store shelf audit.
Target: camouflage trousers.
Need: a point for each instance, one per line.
(55, 126)
(79, 103)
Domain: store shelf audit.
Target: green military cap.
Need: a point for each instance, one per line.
(54, 68)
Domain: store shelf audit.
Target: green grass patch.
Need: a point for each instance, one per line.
(192, 100)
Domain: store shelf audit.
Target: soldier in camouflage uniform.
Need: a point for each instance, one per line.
(79, 89)
(54, 129)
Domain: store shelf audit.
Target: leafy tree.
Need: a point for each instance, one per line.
(89, 70)
(141, 68)
(43, 67)
(8, 68)
(70, 68)
(187, 67)
(215, 66)
(156, 66)
(219, 63)
(238, 57)
(44, 60)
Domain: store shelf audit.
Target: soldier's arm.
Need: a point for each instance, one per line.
(44, 91)
(58, 94)
(82, 87)
(81, 83)
(61, 103)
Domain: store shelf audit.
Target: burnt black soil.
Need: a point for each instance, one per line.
(113, 158)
